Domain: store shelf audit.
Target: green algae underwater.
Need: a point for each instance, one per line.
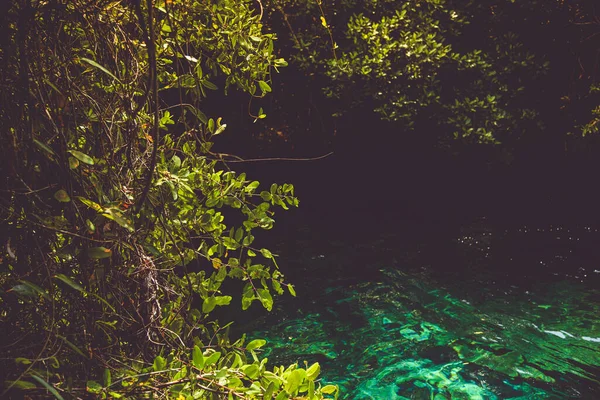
(408, 333)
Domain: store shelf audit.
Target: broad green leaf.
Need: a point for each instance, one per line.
(50, 388)
(99, 252)
(159, 363)
(265, 298)
(251, 371)
(209, 304)
(212, 359)
(239, 234)
(256, 344)
(62, 196)
(223, 300)
(100, 67)
(266, 196)
(264, 86)
(294, 381)
(197, 358)
(313, 371)
(70, 282)
(84, 158)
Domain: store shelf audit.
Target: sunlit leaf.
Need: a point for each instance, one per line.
(256, 344)
(84, 158)
(100, 67)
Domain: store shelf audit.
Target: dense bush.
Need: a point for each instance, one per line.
(115, 243)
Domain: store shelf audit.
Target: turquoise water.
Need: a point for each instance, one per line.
(403, 330)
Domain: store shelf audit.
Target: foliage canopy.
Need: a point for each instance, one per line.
(116, 248)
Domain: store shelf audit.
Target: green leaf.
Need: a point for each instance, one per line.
(50, 388)
(90, 225)
(91, 204)
(107, 377)
(223, 300)
(294, 381)
(197, 358)
(212, 359)
(269, 392)
(209, 304)
(265, 299)
(291, 289)
(117, 216)
(220, 129)
(239, 234)
(93, 387)
(44, 147)
(248, 241)
(84, 158)
(73, 163)
(62, 196)
(266, 253)
(197, 113)
(99, 252)
(329, 389)
(208, 85)
(70, 282)
(100, 67)
(264, 86)
(252, 186)
(266, 196)
(159, 364)
(251, 371)
(256, 344)
(35, 288)
(313, 371)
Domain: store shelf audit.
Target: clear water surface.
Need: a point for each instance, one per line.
(488, 314)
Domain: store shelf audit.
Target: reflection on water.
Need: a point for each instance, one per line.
(418, 335)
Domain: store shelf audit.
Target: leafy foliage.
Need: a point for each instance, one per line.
(116, 244)
(481, 72)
